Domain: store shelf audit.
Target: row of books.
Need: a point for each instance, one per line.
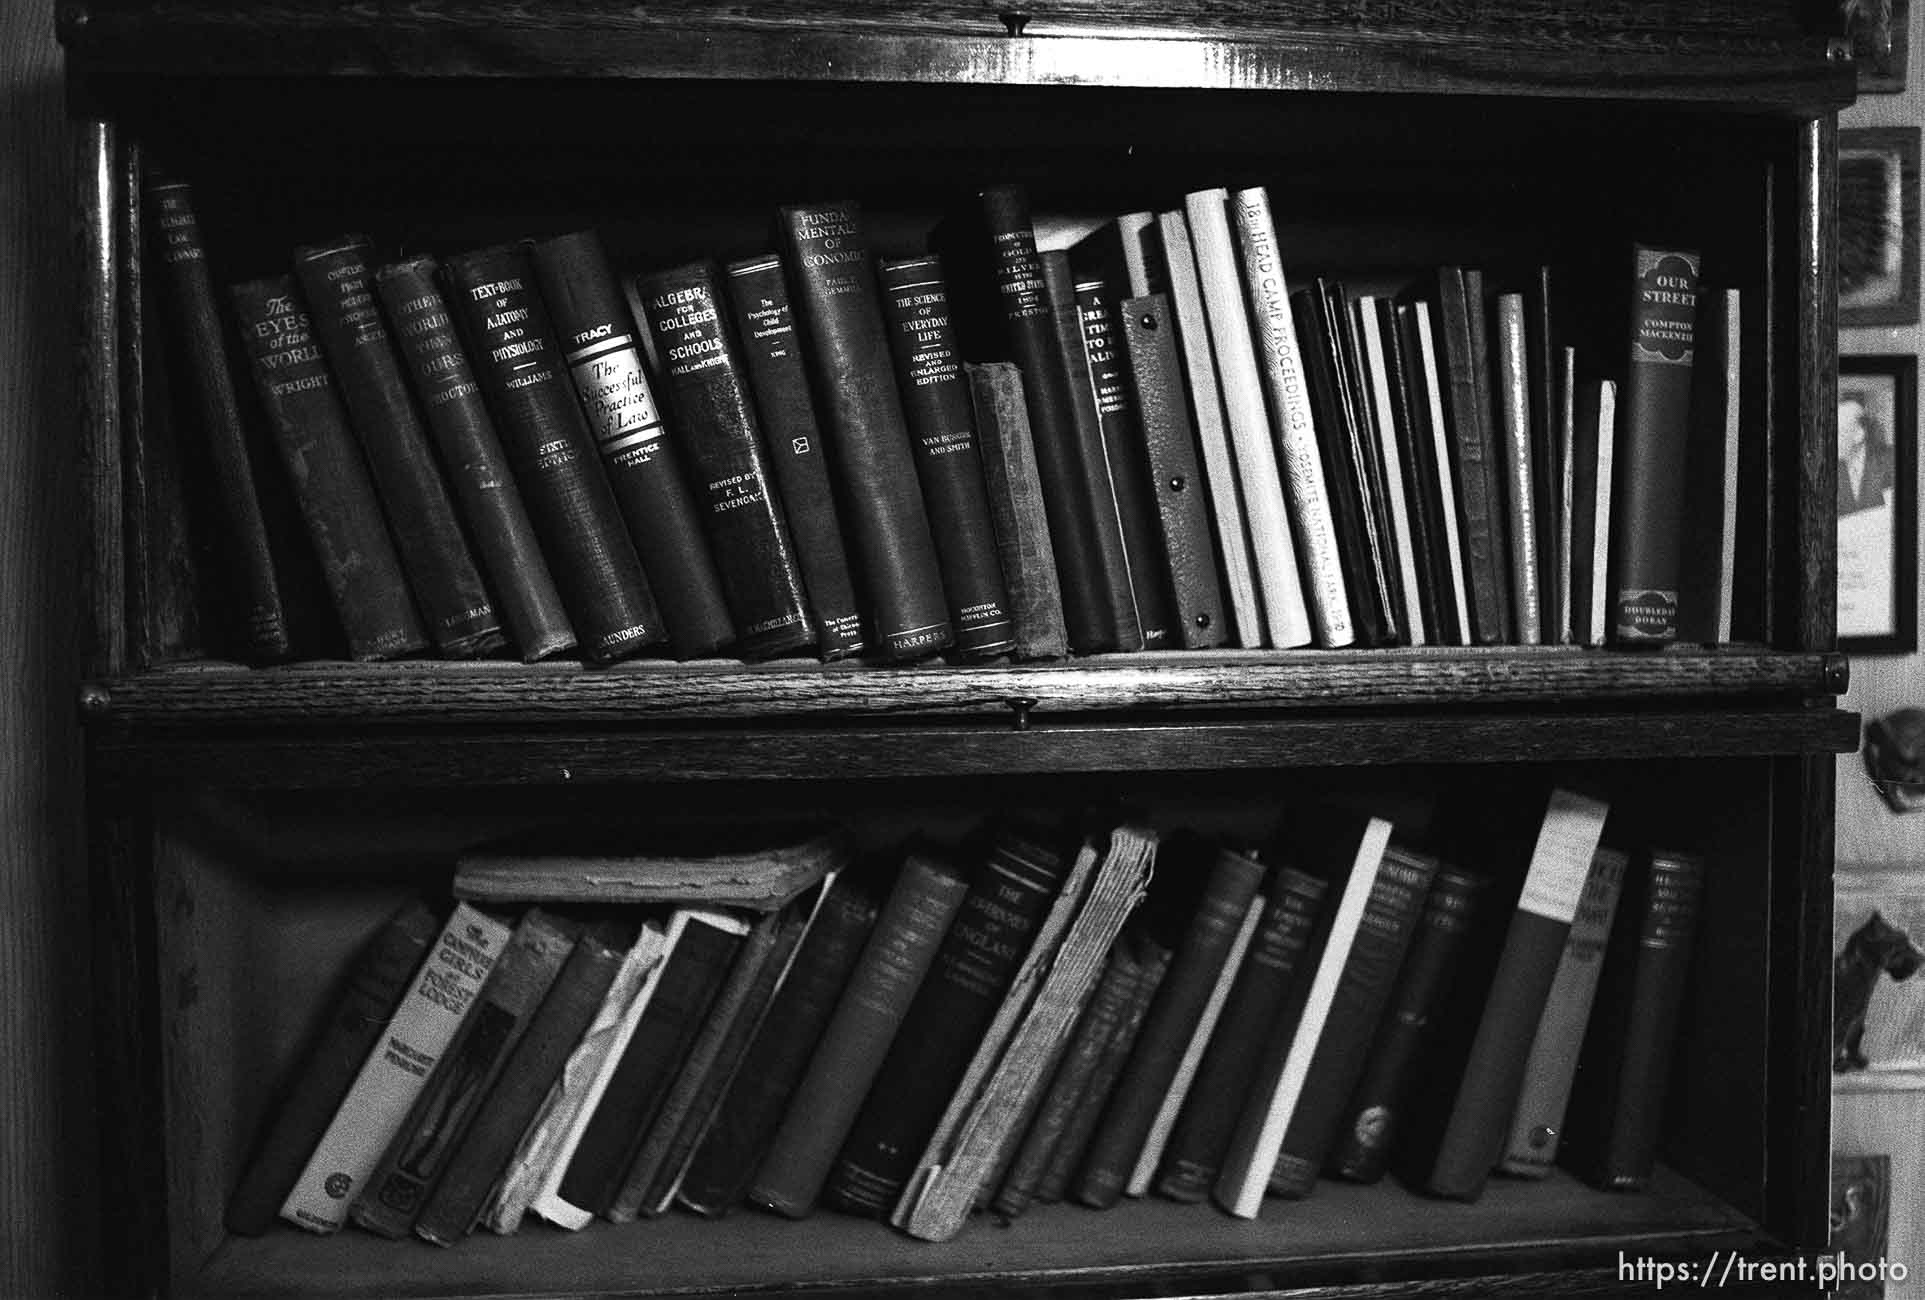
(518, 449)
(1000, 1025)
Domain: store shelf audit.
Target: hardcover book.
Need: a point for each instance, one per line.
(1593, 487)
(1016, 508)
(1428, 421)
(1474, 456)
(1416, 453)
(1708, 578)
(1379, 397)
(1520, 490)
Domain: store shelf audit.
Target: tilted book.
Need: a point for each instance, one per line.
(1016, 508)
(643, 463)
(523, 374)
(838, 311)
(328, 471)
(525, 594)
(1427, 406)
(1474, 457)
(448, 589)
(798, 452)
(1379, 399)
(717, 430)
(442, 995)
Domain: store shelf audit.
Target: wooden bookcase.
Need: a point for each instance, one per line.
(249, 824)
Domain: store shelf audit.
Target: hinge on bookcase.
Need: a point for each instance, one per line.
(1019, 706)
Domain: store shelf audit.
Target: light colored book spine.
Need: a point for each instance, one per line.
(551, 1139)
(1147, 1160)
(1266, 1117)
(1403, 543)
(1733, 388)
(441, 996)
(1446, 480)
(1280, 364)
(1273, 553)
(1514, 407)
(1212, 429)
(1600, 539)
(1564, 633)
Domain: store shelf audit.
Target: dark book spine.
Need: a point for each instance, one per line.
(686, 987)
(1647, 517)
(478, 1163)
(715, 424)
(1547, 464)
(797, 451)
(1359, 414)
(986, 943)
(519, 362)
(336, 278)
(598, 338)
(1187, 552)
(484, 487)
(329, 475)
(867, 1017)
(1363, 990)
(839, 313)
(189, 294)
(1062, 462)
(1411, 425)
(748, 1114)
(942, 433)
(1121, 421)
(393, 1197)
(1252, 1017)
(1016, 509)
(375, 986)
(1479, 505)
(1232, 882)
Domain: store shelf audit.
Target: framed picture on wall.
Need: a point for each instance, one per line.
(1877, 505)
(1878, 267)
(1878, 44)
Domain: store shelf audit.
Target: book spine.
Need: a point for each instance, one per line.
(1514, 411)
(1427, 402)
(1478, 508)
(992, 931)
(1274, 554)
(1016, 510)
(746, 1119)
(1121, 423)
(942, 432)
(1186, 554)
(1081, 536)
(1710, 499)
(797, 450)
(1383, 935)
(1547, 462)
(555, 1027)
(1566, 493)
(330, 477)
(525, 381)
(525, 593)
(374, 987)
(1200, 957)
(867, 1018)
(1473, 1138)
(1212, 432)
(1647, 542)
(391, 1200)
(641, 461)
(1410, 419)
(189, 294)
(1363, 1148)
(1531, 1149)
(1251, 1017)
(839, 311)
(443, 992)
(447, 586)
(1378, 398)
(1280, 364)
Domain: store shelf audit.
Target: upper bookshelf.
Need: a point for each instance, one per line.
(1767, 55)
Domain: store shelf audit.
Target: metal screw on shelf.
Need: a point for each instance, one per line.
(1014, 21)
(1020, 705)
(96, 701)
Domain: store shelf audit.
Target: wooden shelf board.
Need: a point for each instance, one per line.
(1340, 1232)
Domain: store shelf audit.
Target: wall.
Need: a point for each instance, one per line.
(47, 1216)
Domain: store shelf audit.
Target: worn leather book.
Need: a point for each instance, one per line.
(1016, 509)
(188, 291)
(442, 993)
(481, 1158)
(715, 425)
(749, 1112)
(942, 437)
(524, 378)
(1480, 502)
(868, 1016)
(392, 1199)
(798, 452)
(454, 603)
(1647, 538)
(642, 461)
(1520, 491)
(525, 594)
(1187, 552)
(372, 989)
(839, 314)
(330, 476)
